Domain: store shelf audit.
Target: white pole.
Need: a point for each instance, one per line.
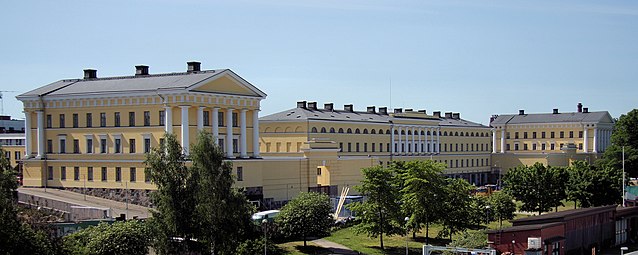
(623, 176)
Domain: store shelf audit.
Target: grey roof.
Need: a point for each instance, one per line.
(341, 115)
(151, 82)
(551, 118)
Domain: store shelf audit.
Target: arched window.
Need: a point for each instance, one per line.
(387, 132)
(456, 133)
(313, 130)
(445, 133)
(356, 131)
(381, 132)
(365, 131)
(481, 134)
(403, 132)
(332, 130)
(466, 134)
(349, 131)
(372, 131)
(323, 130)
(341, 130)
(428, 132)
(396, 132)
(422, 132)
(472, 134)
(462, 134)
(409, 132)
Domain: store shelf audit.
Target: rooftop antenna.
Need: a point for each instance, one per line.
(2, 100)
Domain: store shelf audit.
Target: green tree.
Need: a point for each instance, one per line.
(625, 134)
(222, 211)
(380, 213)
(606, 188)
(540, 188)
(306, 215)
(476, 239)
(457, 205)
(130, 237)
(422, 185)
(175, 199)
(502, 207)
(578, 188)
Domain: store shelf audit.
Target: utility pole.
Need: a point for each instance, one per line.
(623, 176)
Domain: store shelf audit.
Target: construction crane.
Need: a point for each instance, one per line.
(2, 100)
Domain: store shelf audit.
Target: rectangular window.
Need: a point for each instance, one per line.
(235, 146)
(50, 173)
(89, 173)
(62, 124)
(561, 146)
(542, 146)
(147, 145)
(507, 135)
(571, 134)
(117, 119)
(118, 174)
(552, 135)
(533, 146)
(118, 145)
(524, 135)
(534, 135)
(220, 119)
(340, 147)
(89, 145)
(515, 135)
(102, 119)
(206, 118)
(507, 146)
(49, 146)
(131, 119)
(75, 120)
(102, 145)
(543, 134)
(76, 173)
(162, 118)
(240, 173)
(373, 146)
(357, 147)
(63, 173)
(562, 134)
(318, 170)
(133, 174)
(76, 146)
(235, 120)
(89, 119)
(104, 174)
(62, 145)
(551, 146)
(49, 125)
(580, 134)
(365, 147)
(580, 146)
(17, 155)
(131, 143)
(349, 147)
(220, 143)
(524, 146)
(516, 146)
(147, 118)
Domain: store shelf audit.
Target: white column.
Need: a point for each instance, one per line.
(493, 140)
(185, 131)
(168, 121)
(418, 144)
(200, 118)
(503, 140)
(216, 123)
(229, 133)
(413, 144)
(27, 134)
(595, 140)
(425, 140)
(392, 141)
(438, 140)
(399, 148)
(585, 140)
(41, 149)
(430, 144)
(256, 133)
(243, 152)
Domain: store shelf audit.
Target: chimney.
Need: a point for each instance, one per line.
(585, 110)
(555, 111)
(90, 74)
(398, 110)
(408, 110)
(456, 116)
(383, 110)
(141, 70)
(371, 109)
(312, 105)
(348, 108)
(437, 114)
(521, 112)
(194, 66)
(448, 115)
(580, 107)
(301, 104)
(422, 111)
(328, 106)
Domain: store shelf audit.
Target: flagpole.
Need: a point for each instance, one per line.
(623, 177)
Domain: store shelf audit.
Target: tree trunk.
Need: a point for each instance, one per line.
(427, 232)
(304, 239)
(381, 228)
(575, 203)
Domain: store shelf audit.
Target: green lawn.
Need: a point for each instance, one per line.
(297, 248)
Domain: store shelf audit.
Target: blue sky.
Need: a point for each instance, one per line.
(474, 57)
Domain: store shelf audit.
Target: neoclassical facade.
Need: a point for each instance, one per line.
(555, 138)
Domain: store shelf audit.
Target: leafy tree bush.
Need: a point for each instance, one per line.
(476, 239)
(539, 187)
(502, 206)
(256, 246)
(130, 237)
(625, 134)
(306, 215)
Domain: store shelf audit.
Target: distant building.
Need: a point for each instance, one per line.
(12, 139)
(551, 138)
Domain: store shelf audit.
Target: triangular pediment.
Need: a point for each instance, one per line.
(227, 82)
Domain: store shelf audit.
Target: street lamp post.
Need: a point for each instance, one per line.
(623, 249)
(264, 223)
(487, 210)
(623, 176)
(406, 234)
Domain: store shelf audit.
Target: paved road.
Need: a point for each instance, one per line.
(117, 208)
(334, 247)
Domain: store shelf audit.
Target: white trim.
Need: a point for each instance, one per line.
(228, 73)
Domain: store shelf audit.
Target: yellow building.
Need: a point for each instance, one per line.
(551, 138)
(12, 139)
(382, 137)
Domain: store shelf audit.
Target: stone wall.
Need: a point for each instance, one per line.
(135, 196)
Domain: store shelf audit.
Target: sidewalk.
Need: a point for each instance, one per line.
(334, 247)
(116, 207)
